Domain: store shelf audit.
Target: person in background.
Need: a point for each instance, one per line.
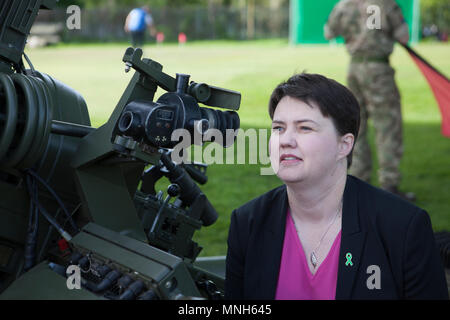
(138, 21)
(370, 29)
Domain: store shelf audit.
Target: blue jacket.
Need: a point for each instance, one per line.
(138, 20)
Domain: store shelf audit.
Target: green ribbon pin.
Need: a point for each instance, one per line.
(349, 259)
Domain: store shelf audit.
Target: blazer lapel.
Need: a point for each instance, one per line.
(352, 242)
(272, 246)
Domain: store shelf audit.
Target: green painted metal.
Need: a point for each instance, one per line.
(42, 283)
(77, 195)
(150, 264)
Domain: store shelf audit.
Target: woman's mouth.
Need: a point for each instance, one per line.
(290, 159)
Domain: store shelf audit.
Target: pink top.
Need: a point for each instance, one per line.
(295, 281)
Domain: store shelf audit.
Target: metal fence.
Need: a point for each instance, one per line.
(198, 23)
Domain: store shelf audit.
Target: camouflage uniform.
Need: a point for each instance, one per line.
(371, 79)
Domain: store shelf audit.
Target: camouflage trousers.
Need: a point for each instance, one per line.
(374, 86)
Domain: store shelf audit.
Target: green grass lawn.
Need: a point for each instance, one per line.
(254, 69)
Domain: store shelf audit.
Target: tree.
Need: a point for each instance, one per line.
(436, 12)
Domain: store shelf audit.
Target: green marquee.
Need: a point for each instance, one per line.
(307, 18)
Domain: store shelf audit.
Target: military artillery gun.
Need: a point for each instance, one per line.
(78, 198)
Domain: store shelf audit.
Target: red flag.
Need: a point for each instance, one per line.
(440, 85)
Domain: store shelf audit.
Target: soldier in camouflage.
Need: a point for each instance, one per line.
(370, 29)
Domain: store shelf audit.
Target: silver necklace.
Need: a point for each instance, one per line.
(312, 256)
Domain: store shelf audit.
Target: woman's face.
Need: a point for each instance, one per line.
(304, 145)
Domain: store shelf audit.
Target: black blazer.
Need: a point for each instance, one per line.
(378, 228)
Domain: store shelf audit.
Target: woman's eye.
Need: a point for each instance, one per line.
(303, 128)
(277, 128)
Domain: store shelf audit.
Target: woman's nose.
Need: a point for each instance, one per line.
(287, 139)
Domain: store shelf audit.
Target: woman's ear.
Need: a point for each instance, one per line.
(345, 145)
